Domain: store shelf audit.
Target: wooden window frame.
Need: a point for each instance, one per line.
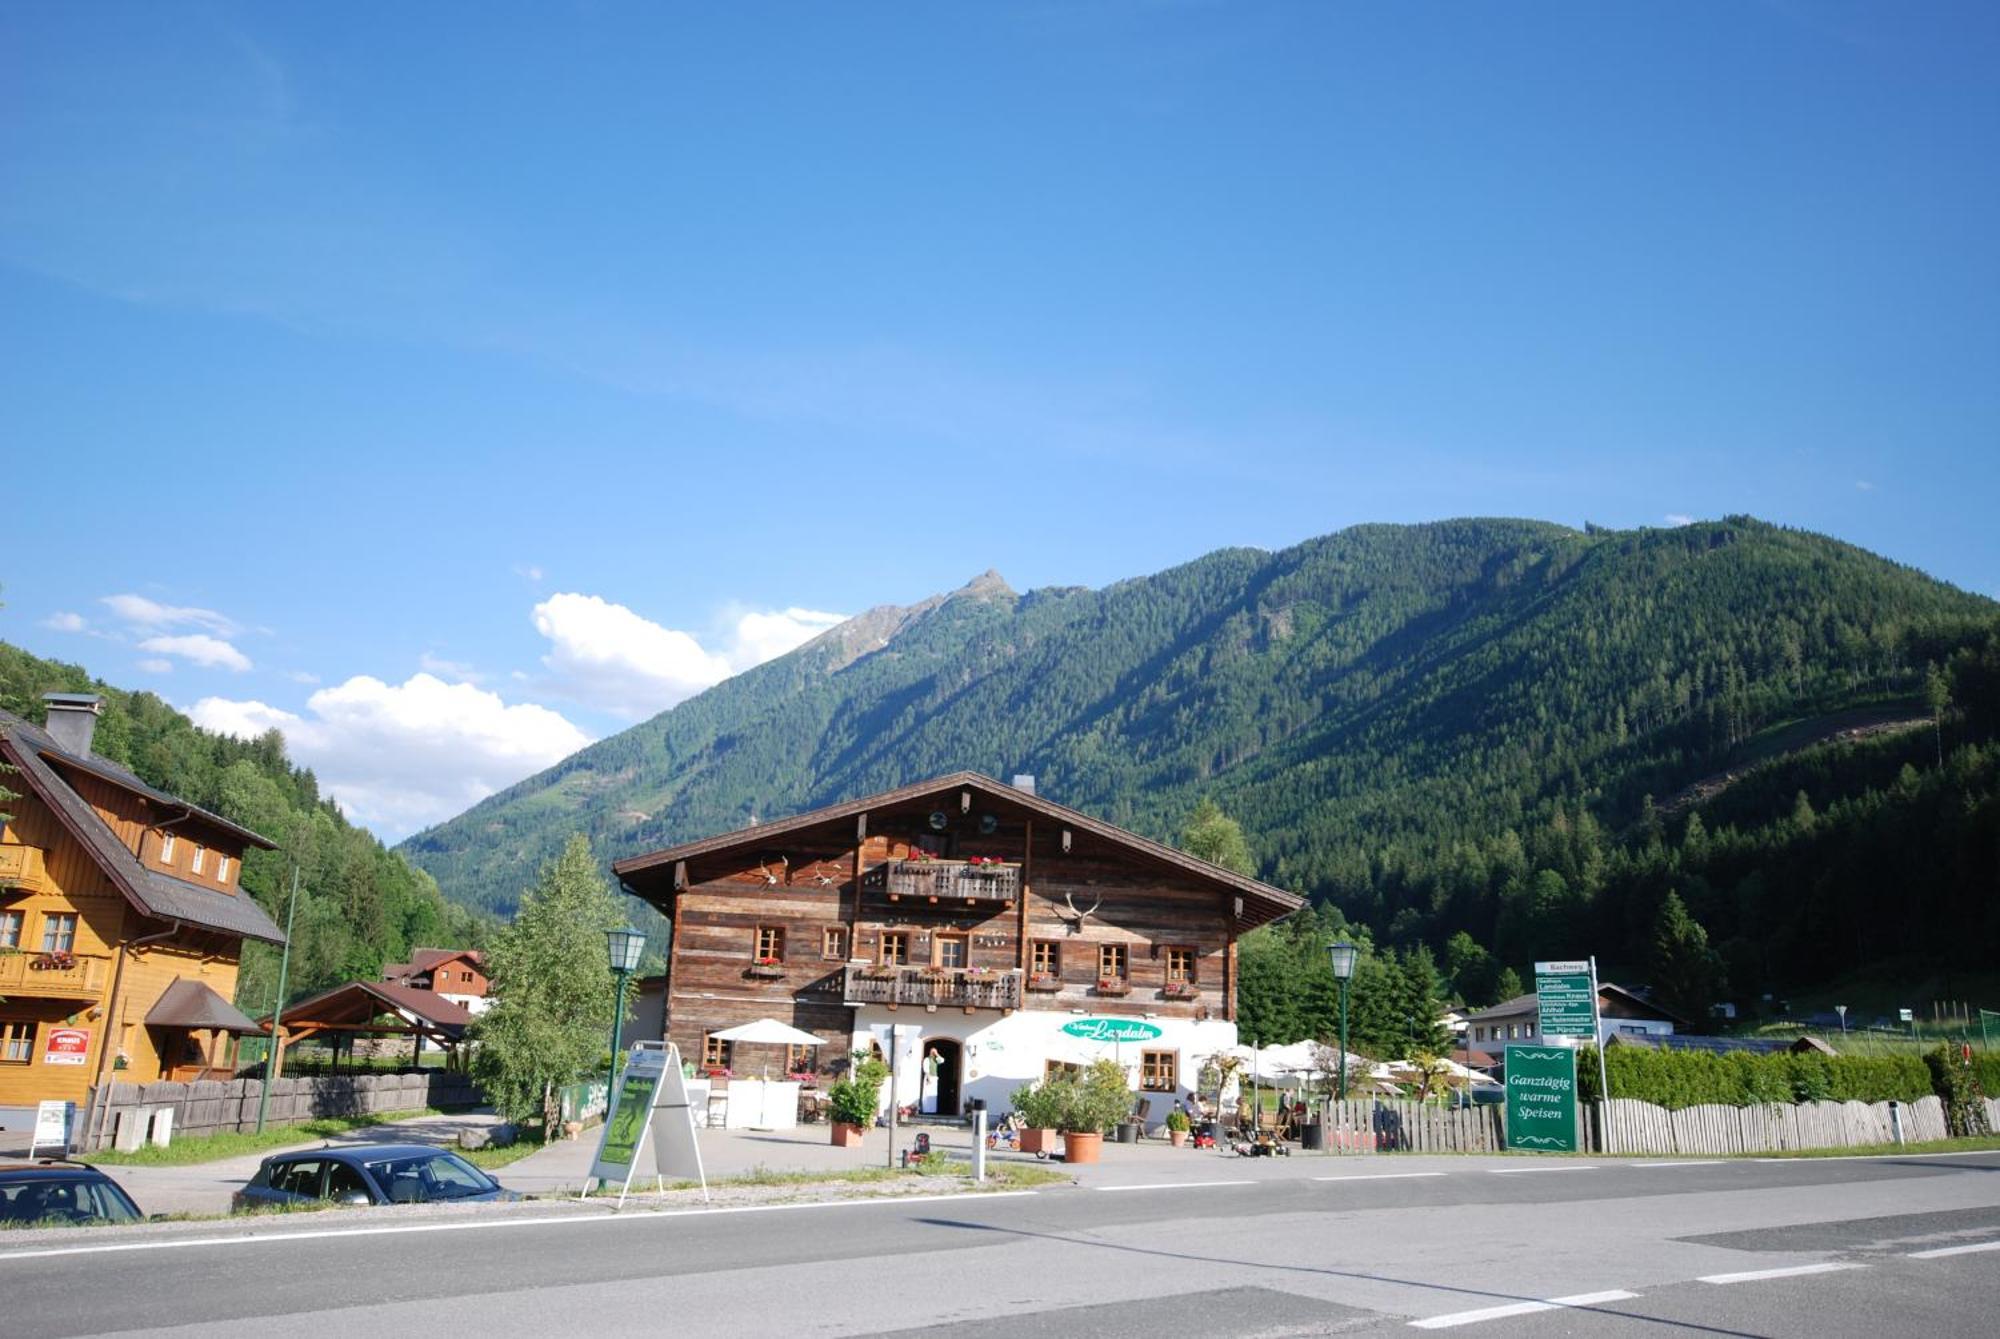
(833, 943)
(1055, 1069)
(798, 1059)
(715, 1052)
(17, 923)
(769, 944)
(901, 958)
(964, 941)
(1045, 957)
(1118, 954)
(50, 919)
(1188, 976)
(21, 1031)
(1153, 1078)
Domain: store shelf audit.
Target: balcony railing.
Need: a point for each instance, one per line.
(952, 881)
(20, 864)
(921, 985)
(31, 973)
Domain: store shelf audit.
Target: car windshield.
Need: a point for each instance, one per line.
(429, 1176)
(64, 1200)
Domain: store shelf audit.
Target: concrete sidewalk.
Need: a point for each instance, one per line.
(205, 1187)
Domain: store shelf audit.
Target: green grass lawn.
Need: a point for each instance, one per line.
(210, 1148)
(487, 1159)
(1974, 1144)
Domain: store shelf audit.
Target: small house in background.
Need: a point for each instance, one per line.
(1622, 1014)
(458, 974)
(122, 918)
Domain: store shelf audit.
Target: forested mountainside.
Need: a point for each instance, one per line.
(1426, 726)
(360, 905)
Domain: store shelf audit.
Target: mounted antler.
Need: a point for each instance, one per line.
(1076, 918)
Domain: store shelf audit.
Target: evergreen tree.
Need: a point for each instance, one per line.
(1687, 973)
(1217, 838)
(1507, 985)
(552, 989)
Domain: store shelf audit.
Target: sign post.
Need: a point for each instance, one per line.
(1566, 1009)
(651, 1099)
(1541, 1098)
(54, 1123)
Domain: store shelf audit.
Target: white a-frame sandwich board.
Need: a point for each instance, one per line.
(649, 1106)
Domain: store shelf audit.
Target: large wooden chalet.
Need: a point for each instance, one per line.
(961, 921)
(121, 921)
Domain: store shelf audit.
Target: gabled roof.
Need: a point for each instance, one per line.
(190, 1004)
(1261, 902)
(361, 1001)
(152, 892)
(1525, 1004)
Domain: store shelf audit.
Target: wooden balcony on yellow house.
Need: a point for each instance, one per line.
(20, 866)
(25, 974)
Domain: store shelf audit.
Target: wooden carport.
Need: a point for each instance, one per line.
(372, 1009)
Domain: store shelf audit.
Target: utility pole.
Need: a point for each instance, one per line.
(278, 1004)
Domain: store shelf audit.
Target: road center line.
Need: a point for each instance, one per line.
(1379, 1176)
(1562, 1167)
(1939, 1253)
(475, 1225)
(1795, 1271)
(1175, 1185)
(1451, 1319)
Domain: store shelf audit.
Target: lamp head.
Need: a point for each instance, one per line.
(626, 946)
(1343, 955)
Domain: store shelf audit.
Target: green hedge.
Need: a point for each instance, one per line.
(1675, 1079)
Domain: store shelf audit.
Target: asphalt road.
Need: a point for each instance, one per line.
(1895, 1245)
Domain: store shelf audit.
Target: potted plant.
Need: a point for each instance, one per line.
(1044, 981)
(852, 1102)
(1177, 1127)
(1040, 1108)
(1092, 1103)
(1112, 985)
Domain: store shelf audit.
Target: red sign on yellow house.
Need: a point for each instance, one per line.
(67, 1046)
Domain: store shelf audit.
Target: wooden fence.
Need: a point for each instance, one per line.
(1366, 1126)
(215, 1107)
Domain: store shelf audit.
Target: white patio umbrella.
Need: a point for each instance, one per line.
(769, 1032)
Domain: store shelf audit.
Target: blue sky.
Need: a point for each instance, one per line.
(450, 384)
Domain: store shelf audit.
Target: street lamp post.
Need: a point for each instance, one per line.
(1343, 955)
(626, 946)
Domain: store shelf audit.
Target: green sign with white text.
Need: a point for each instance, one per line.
(1564, 1003)
(1541, 1098)
(1111, 1029)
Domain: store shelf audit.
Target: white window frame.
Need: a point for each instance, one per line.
(222, 869)
(167, 843)
(12, 924)
(200, 857)
(52, 919)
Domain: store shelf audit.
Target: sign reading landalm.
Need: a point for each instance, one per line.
(1111, 1029)
(1541, 1098)
(1564, 1001)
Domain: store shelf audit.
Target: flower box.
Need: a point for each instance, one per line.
(759, 971)
(1180, 990)
(1112, 985)
(61, 960)
(1045, 981)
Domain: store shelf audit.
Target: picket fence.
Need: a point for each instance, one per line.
(1624, 1125)
(218, 1106)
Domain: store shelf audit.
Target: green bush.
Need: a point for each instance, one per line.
(1178, 1120)
(1039, 1105)
(853, 1100)
(1676, 1079)
(1095, 1100)
(1958, 1084)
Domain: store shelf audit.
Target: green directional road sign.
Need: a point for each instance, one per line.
(1541, 1098)
(1564, 1000)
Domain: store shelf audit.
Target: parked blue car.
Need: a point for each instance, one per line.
(369, 1174)
(57, 1191)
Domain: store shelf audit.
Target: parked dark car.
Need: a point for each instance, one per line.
(369, 1174)
(62, 1192)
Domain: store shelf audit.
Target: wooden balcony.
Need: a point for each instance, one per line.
(20, 865)
(952, 881)
(29, 974)
(931, 987)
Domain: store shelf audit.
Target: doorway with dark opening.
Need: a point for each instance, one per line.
(941, 1078)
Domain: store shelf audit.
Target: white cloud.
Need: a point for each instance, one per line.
(302, 676)
(64, 621)
(609, 657)
(1676, 519)
(201, 648)
(148, 614)
(400, 757)
(154, 666)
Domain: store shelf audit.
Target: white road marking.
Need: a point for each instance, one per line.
(1379, 1176)
(1878, 1157)
(1942, 1251)
(1446, 1322)
(474, 1225)
(1795, 1271)
(1175, 1185)
(1696, 1162)
(1555, 1167)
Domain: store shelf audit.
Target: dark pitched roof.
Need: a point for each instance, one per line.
(360, 1001)
(153, 893)
(1261, 902)
(190, 1004)
(1525, 1004)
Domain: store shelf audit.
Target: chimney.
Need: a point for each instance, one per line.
(72, 720)
(1024, 781)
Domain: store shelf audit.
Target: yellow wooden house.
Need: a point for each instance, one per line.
(122, 919)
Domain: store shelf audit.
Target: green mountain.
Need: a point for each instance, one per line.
(1413, 723)
(361, 905)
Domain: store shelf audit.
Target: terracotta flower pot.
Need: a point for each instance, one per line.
(1177, 1137)
(1038, 1141)
(846, 1136)
(1079, 1146)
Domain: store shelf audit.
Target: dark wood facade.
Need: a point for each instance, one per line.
(960, 894)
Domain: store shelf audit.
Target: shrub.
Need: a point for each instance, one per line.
(1095, 1100)
(854, 1099)
(1178, 1120)
(1676, 1079)
(1040, 1105)
(1958, 1084)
